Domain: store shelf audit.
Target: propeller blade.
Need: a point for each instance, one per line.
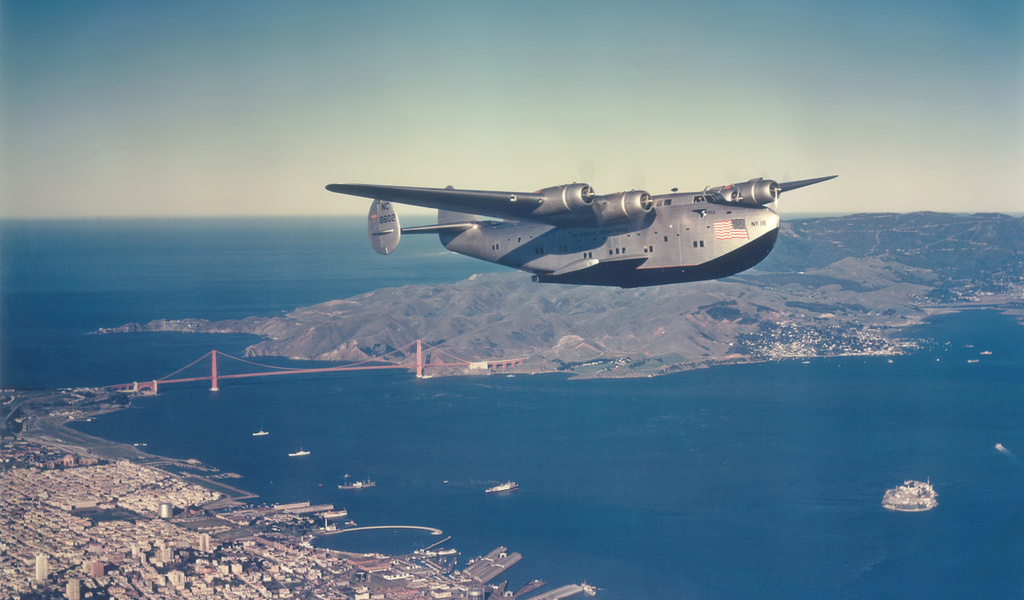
(793, 185)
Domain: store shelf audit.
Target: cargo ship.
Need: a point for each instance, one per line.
(301, 452)
(508, 486)
(357, 485)
(912, 496)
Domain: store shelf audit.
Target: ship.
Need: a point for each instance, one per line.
(301, 452)
(334, 514)
(357, 485)
(261, 432)
(912, 496)
(508, 486)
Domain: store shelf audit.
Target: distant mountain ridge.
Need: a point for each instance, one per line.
(833, 286)
(951, 245)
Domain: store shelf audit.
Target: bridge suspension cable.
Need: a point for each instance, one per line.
(397, 358)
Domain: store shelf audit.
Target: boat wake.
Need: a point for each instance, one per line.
(1013, 457)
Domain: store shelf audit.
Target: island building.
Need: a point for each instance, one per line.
(912, 496)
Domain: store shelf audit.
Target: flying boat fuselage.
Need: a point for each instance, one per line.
(676, 242)
(569, 235)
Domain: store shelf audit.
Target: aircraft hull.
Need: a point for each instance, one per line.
(626, 275)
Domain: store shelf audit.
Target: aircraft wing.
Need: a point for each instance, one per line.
(795, 185)
(502, 205)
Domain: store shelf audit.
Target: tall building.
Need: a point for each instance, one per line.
(42, 568)
(73, 590)
(96, 569)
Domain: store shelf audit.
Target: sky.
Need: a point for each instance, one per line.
(112, 108)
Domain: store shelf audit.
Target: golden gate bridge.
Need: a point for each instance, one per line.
(401, 358)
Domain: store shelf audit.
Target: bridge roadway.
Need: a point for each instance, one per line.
(432, 530)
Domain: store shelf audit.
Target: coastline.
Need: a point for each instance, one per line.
(721, 333)
(52, 431)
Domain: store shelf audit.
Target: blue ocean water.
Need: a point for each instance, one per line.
(738, 481)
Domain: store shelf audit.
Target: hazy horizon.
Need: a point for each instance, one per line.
(123, 109)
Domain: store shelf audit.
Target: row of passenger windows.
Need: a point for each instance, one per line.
(611, 251)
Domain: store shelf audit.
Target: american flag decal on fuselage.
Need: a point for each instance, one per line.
(731, 229)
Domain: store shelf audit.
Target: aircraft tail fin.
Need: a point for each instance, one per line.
(382, 227)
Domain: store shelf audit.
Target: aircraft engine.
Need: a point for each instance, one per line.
(758, 191)
(622, 206)
(563, 199)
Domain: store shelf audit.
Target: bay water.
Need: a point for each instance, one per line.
(736, 481)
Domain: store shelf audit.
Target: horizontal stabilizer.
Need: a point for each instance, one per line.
(441, 228)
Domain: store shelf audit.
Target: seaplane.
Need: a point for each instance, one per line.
(570, 234)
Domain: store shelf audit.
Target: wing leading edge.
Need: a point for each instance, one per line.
(502, 205)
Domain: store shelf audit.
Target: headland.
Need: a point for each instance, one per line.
(844, 286)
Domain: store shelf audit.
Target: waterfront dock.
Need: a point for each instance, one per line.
(566, 591)
(488, 567)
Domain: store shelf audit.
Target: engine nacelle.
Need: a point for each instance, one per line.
(756, 191)
(622, 206)
(563, 199)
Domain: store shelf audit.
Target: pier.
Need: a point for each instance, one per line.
(432, 530)
(488, 567)
(566, 591)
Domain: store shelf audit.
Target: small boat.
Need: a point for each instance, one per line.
(508, 486)
(301, 452)
(261, 432)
